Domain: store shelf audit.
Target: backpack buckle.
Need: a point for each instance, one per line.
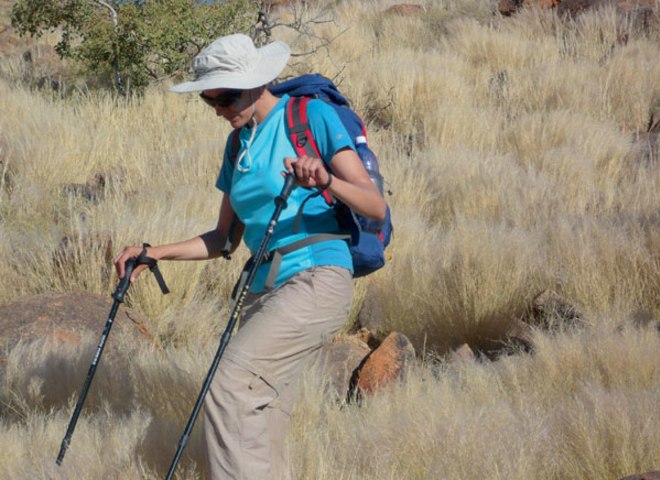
(301, 140)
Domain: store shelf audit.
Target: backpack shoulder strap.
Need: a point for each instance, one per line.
(234, 146)
(300, 133)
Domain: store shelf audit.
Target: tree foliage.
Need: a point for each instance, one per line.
(136, 40)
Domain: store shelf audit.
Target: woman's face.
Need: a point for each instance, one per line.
(235, 106)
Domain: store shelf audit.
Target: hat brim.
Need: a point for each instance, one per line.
(273, 59)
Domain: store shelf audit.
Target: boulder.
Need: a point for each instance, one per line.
(63, 318)
(368, 337)
(463, 353)
(655, 475)
(406, 9)
(352, 368)
(339, 361)
(520, 336)
(61, 332)
(385, 364)
(574, 7)
(644, 9)
(509, 7)
(548, 307)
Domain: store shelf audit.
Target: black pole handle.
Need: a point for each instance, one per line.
(125, 281)
(283, 197)
(129, 266)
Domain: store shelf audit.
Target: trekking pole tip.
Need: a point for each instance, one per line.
(63, 447)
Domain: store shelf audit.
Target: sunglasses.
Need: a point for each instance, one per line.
(225, 99)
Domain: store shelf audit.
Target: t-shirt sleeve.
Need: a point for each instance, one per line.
(328, 130)
(223, 183)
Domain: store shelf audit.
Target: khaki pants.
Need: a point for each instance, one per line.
(249, 403)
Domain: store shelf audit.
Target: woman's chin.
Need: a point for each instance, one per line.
(235, 121)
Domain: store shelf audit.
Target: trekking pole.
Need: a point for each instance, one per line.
(280, 204)
(118, 296)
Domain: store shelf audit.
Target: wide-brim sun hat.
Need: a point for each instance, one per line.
(233, 62)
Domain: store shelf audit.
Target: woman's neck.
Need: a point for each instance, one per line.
(264, 104)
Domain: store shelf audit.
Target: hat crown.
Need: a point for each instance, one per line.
(233, 62)
(233, 54)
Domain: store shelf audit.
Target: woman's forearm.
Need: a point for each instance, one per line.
(203, 247)
(363, 198)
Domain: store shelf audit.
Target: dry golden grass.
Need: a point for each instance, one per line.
(508, 145)
(548, 416)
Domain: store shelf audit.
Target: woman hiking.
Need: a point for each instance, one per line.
(252, 394)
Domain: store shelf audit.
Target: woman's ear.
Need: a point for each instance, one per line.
(255, 94)
(259, 91)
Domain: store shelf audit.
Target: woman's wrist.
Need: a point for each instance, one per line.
(327, 184)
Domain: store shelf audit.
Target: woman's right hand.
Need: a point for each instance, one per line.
(120, 262)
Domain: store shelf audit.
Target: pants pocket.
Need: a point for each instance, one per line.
(262, 386)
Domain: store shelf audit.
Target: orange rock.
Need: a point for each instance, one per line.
(386, 363)
(339, 362)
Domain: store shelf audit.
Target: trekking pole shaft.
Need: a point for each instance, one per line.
(280, 204)
(202, 394)
(87, 384)
(119, 298)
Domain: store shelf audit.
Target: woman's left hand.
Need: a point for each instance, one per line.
(310, 172)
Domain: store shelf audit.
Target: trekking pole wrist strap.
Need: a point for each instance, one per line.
(152, 263)
(327, 184)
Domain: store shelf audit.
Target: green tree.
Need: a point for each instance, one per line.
(138, 41)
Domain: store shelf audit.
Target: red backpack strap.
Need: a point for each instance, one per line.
(299, 131)
(300, 134)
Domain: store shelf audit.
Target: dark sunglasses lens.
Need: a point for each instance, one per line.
(225, 99)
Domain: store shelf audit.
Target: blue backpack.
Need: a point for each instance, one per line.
(367, 238)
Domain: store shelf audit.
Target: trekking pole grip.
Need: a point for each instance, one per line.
(282, 198)
(125, 281)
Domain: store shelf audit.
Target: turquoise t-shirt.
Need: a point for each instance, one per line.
(253, 187)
